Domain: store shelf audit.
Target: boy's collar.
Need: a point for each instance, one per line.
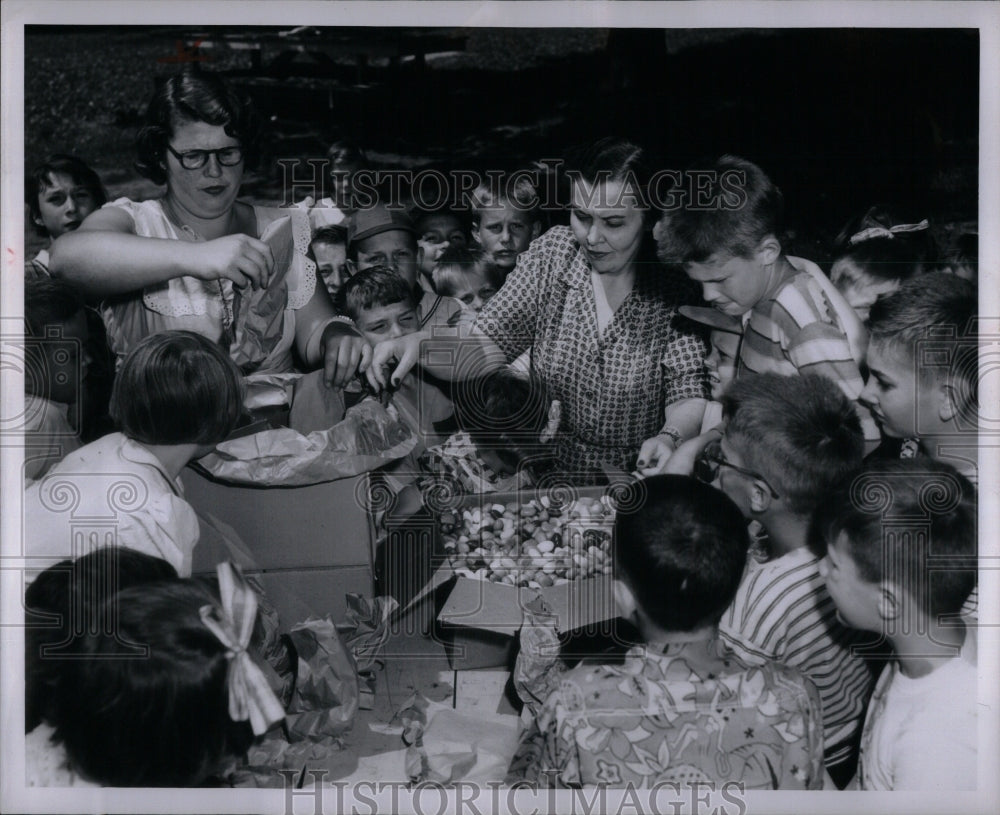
(781, 276)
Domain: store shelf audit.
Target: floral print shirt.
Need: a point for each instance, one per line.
(614, 384)
(657, 719)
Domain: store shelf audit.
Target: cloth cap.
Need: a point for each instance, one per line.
(375, 220)
(713, 318)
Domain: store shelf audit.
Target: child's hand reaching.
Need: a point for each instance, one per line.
(405, 351)
(344, 355)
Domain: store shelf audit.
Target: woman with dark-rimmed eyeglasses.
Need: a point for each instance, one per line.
(193, 258)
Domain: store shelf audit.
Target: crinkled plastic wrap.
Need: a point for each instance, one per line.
(370, 621)
(322, 708)
(538, 668)
(325, 700)
(444, 746)
(368, 437)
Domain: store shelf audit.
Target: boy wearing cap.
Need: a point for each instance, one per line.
(380, 236)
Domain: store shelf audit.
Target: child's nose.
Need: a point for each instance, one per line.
(867, 395)
(710, 293)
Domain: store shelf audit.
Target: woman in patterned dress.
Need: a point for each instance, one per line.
(599, 314)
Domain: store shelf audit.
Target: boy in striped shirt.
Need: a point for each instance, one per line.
(788, 442)
(794, 321)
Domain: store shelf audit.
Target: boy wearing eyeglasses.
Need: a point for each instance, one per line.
(788, 441)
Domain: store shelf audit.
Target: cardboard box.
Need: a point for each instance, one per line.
(311, 545)
(479, 618)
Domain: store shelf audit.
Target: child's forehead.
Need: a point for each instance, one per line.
(718, 265)
(327, 245)
(388, 311)
(503, 210)
(58, 180)
(887, 356)
(441, 221)
(391, 238)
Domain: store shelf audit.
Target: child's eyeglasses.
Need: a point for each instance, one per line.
(707, 466)
(196, 159)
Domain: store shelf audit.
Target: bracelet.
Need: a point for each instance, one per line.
(312, 344)
(673, 433)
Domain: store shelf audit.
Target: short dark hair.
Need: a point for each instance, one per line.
(193, 95)
(938, 308)
(49, 302)
(159, 719)
(681, 551)
(373, 287)
(68, 593)
(800, 432)
(177, 387)
(76, 168)
(334, 234)
(506, 412)
(746, 207)
(932, 491)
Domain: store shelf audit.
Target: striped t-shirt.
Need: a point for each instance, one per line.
(795, 330)
(783, 611)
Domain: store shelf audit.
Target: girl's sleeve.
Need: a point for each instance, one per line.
(510, 318)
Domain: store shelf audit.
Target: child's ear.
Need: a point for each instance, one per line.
(536, 230)
(760, 497)
(624, 599)
(475, 235)
(947, 403)
(768, 250)
(352, 267)
(888, 602)
(657, 230)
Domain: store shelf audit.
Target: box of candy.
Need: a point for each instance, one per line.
(504, 549)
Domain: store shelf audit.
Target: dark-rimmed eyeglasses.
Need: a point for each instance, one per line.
(707, 466)
(196, 159)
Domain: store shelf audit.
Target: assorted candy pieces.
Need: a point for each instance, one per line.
(537, 544)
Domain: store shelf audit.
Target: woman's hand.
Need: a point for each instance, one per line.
(404, 350)
(654, 455)
(240, 258)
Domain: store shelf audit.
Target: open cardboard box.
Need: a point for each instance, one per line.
(479, 618)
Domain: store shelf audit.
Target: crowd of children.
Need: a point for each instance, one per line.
(788, 639)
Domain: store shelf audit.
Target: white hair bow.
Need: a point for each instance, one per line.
(886, 232)
(250, 697)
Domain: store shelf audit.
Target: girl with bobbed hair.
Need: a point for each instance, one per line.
(195, 259)
(177, 395)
